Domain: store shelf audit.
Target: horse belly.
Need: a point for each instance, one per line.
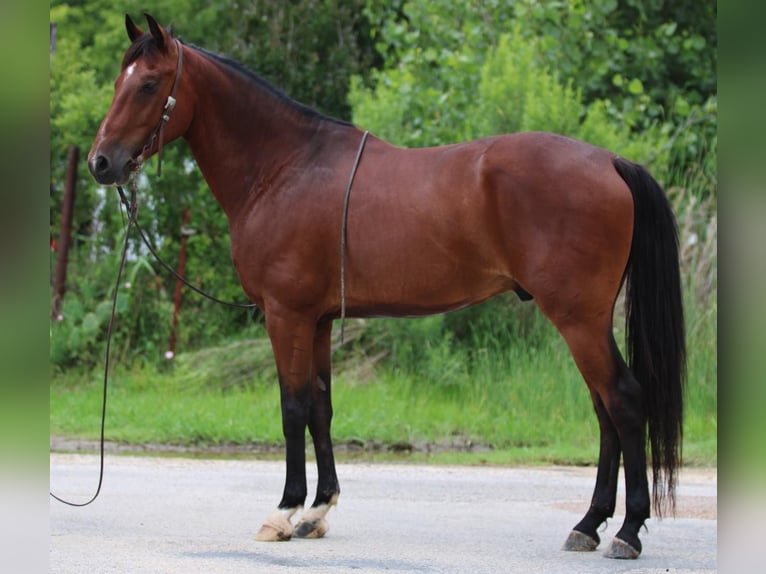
(420, 265)
(427, 290)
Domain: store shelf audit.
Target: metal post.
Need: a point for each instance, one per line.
(62, 247)
(185, 232)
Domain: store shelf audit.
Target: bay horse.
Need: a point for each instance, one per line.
(430, 230)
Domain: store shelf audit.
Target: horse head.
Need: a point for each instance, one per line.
(145, 94)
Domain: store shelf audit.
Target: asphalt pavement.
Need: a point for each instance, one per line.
(179, 515)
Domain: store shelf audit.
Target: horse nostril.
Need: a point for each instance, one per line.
(101, 164)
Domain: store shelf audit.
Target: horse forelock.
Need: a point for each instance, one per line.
(145, 45)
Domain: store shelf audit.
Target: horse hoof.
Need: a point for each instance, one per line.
(621, 550)
(268, 533)
(580, 542)
(277, 528)
(316, 528)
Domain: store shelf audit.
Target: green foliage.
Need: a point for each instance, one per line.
(521, 399)
(309, 48)
(640, 75)
(556, 67)
(417, 104)
(517, 92)
(424, 346)
(432, 56)
(636, 77)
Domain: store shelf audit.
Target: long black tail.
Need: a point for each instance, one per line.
(655, 343)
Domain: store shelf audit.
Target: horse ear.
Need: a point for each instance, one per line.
(156, 30)
(133, 30)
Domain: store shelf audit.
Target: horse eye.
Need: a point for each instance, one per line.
(149, 88)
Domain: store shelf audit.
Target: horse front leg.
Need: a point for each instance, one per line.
(292, 343)
(313, 523)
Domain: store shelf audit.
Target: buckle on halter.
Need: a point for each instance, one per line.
(169, 105)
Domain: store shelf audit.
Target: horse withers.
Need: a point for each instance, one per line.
(430, 230)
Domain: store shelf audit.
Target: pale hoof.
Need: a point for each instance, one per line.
(316, 528)
(269, 533)
(312, 523)
(621, 550)
(277, 527)
(580, 542)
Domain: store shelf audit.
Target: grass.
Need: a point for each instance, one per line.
(528, 405)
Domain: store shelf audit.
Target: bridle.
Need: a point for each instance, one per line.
(170, 104)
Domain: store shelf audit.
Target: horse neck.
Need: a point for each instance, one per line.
(241, 133)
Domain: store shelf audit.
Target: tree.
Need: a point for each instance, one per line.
(642, 66)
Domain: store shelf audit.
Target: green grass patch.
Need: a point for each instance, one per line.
(527, 405)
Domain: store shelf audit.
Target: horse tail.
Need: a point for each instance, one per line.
(655, 339)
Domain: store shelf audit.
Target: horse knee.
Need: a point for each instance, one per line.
(295, 413)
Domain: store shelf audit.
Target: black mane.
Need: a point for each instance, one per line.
(264, 84)
(145, 45)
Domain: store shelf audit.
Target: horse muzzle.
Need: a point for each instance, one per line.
(112, 168)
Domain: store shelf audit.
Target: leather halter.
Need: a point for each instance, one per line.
(170, 104)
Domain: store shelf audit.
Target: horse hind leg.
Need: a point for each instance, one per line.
(618, 401)
(584, 536)
(626, 408)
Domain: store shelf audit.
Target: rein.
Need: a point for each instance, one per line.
(132, 205)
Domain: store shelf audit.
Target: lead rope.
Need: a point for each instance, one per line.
(132, 208)
(343, 237)
(168, 268)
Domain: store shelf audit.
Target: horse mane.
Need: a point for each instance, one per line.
(261, 83)
(146, 46)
